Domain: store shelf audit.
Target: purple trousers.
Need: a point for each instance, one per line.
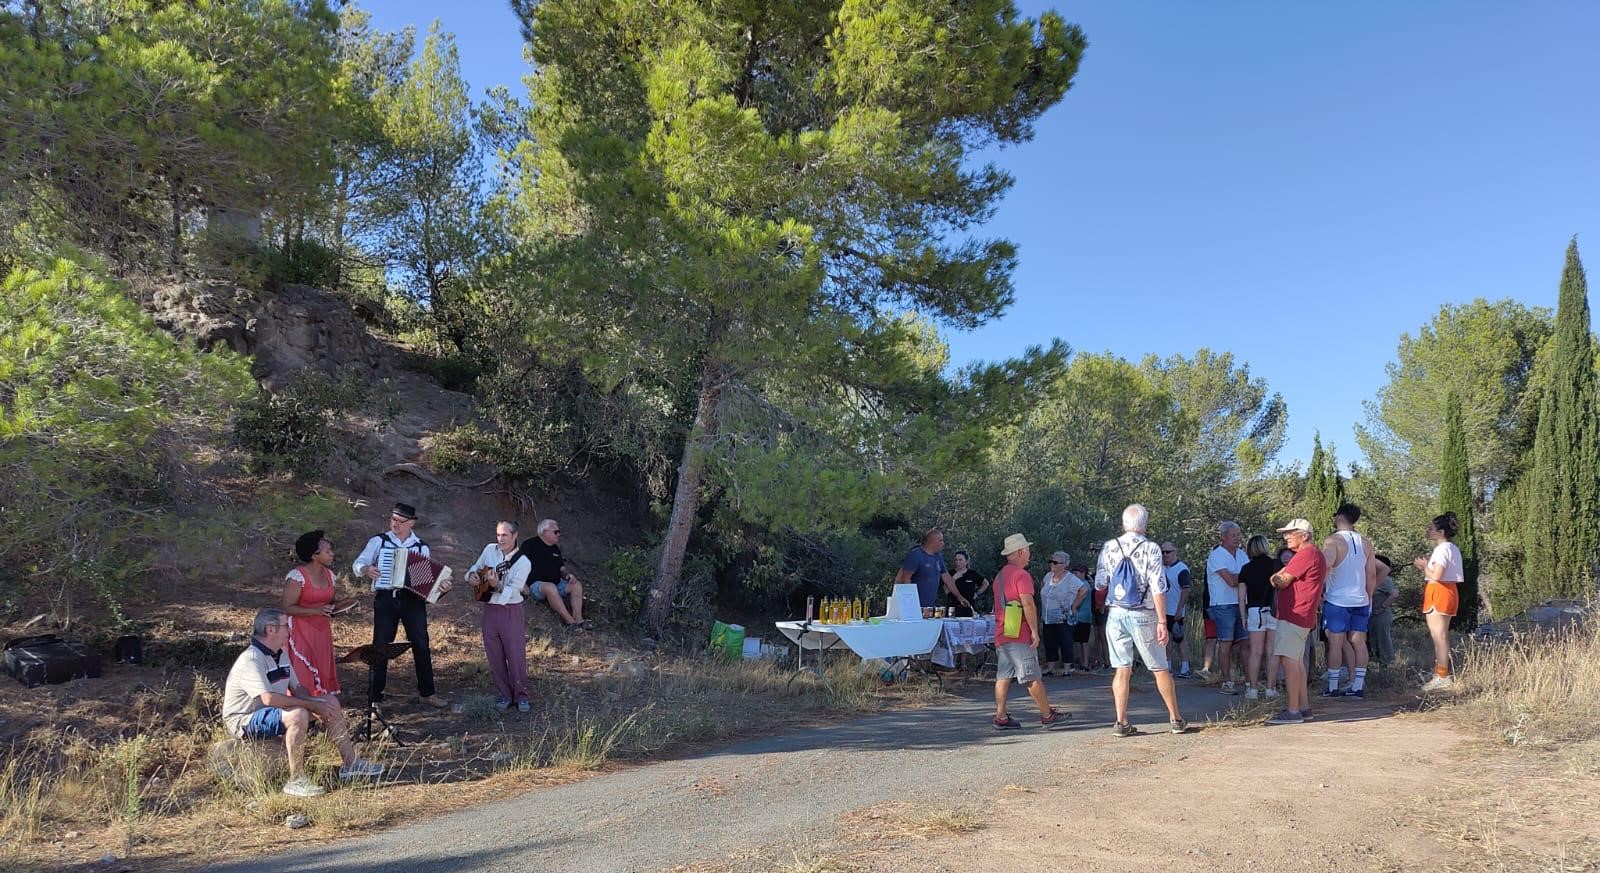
(506, 643)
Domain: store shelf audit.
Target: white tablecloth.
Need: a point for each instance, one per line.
(963, 635)
(890, 639)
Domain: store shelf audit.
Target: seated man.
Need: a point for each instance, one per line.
(550, 578)
(262, 700)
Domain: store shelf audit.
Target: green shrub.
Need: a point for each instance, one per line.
(292, 429)
(99, 412)
(304, 262)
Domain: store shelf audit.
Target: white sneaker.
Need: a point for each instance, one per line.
(303, 787)
(1272, 694)
(1251, 693)
(361, 768)
(1439, 683)
(1227, 688)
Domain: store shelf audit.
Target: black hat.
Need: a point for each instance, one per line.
(405, 511)
(308, 544)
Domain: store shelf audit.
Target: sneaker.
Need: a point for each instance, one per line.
(502, 704)
(1439, 683)
(1305, 714)
(1272, 694)
(1333, 693)
(1287, 716)
(1123, 729)
(1006, 724)
(434, 700)
(1227, 688)
(1055, 717)
(522, 706)
(361, 768)
(1356, 692)
(303, 787)
(1183, 674)
(1179, 726)
(1204, 675)
(1251, 693)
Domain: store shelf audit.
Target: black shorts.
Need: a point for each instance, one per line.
(1080, 633)
(1175, 628)
(1100, 618)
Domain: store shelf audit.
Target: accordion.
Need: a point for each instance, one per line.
(423, 576)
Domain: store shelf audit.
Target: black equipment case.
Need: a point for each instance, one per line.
(48, 658)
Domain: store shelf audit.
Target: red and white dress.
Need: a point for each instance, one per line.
(311, 636)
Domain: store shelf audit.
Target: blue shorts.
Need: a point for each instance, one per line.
(1345, 619)
(1230, 624)
(265, 723)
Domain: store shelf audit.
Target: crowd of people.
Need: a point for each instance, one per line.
(1265, 614)
(287, 678)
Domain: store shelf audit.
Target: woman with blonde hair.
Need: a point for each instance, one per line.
(1255, 579)
(1442, 573)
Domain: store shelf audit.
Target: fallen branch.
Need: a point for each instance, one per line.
(420, 472)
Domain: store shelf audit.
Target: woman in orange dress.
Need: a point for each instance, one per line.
(308, 594)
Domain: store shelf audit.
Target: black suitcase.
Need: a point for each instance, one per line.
(48, 658)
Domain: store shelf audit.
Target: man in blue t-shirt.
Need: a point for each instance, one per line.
(924, 567)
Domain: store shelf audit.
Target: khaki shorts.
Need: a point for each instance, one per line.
(1018, 661)
(1291, 641)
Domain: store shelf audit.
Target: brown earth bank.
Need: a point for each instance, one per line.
(1407, 791)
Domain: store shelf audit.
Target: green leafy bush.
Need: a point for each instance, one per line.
(292, 429)
(304, 262)
(99, 413)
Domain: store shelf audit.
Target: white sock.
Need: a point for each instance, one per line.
(1334, 675)
(1360, 680)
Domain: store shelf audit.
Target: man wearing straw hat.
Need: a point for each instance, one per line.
(1016, 631)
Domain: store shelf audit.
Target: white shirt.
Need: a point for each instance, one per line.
(1347, 583)
(513, 582)
(1220, 592)
(1446, 555)
(1055, 595)
(1146, 562)
(371, 557)
(1174, 590)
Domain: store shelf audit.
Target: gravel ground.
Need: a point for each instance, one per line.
(756, 793)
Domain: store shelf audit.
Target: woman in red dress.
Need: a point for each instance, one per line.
(308, 594)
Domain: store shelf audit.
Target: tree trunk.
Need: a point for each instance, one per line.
(686, 501)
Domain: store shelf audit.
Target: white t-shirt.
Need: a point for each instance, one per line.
(1219, 592)
(1446, 555)
(1175, 590)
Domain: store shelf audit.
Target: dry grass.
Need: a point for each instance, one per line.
(151, 789)
(1539, 691)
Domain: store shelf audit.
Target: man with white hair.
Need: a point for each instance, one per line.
(1131, 571)
(261, 699)
(1222, 585)
(550, 578)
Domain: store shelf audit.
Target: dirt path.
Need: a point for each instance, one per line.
(858, 796)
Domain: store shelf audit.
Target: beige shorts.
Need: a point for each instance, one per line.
(1291, 641)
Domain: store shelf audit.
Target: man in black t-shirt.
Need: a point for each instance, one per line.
(550, 578)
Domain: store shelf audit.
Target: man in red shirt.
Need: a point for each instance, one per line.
(1016, 655)
(1299, 586)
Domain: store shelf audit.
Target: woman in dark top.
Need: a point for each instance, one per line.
(1256, 577)
(968, 581)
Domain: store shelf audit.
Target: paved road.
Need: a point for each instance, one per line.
(751, 794)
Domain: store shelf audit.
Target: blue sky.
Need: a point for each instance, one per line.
(1297, 183)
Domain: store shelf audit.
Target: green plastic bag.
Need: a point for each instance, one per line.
(727, 641)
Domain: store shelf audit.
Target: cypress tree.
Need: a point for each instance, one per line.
(1562, 540)
(1455, 495)
(1324, 489)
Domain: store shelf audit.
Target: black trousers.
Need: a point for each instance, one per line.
(391, 609)
(1057, 642)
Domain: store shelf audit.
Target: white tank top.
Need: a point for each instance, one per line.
(1347, 583)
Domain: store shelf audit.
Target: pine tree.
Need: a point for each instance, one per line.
(1324, 488)
(1562, 540)
(1455, 495)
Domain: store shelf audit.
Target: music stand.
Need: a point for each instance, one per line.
(372, 655)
